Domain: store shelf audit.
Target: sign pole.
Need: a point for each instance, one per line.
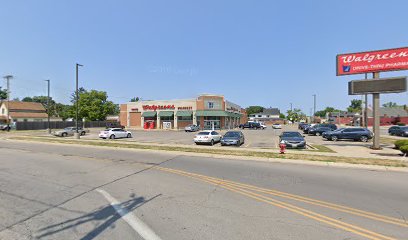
(376, 115)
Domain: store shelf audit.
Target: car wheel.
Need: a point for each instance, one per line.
(129, 135)
(238, 143)
(64, 134)
(82, 133)
(212, 142)
(112, 136)
(364, 138)
(334, 138)
(318, 134)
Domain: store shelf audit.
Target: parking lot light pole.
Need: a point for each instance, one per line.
(48, 107)
(8, 77)
(77, 103)
(314, 106)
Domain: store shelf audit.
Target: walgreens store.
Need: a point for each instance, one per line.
(205, 111)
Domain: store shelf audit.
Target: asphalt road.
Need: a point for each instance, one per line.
(73, 192)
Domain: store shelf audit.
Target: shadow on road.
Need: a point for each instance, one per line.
(103, 218)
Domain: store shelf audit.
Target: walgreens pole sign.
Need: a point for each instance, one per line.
(374, 61)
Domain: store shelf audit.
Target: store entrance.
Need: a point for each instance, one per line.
(208, 124)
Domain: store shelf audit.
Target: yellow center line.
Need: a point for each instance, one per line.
(333, 206)
(304, 212)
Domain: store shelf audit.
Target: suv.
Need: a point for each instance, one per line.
(356, 134)
(251, 125)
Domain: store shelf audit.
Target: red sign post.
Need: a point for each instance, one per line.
(373, 61)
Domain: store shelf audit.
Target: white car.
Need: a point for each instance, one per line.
(113, 133)
(263, 126)
(209, 137)
(276, 126)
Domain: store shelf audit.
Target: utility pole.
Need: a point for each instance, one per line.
(77, 103)
(376, 115)
(291, 109)
(48, 106)
(314, 106)
(8, 77)
(366, 107)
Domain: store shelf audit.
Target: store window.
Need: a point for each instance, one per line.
(167, 118)
(213, 104)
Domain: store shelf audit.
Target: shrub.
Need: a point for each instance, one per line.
(401, 124)
(400, 143)
(404, 149)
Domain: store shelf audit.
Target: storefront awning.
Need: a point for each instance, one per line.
(184, 113)
(212, 113)
(166, 113)
(149, 114)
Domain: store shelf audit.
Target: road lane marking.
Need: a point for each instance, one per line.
(304, 212)
(333, 206)
(138, 225)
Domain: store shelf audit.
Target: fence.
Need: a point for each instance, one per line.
(57, 125)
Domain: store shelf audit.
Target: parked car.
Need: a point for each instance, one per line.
(251, 125)
(325, 125)
(318, 131)
(301, 126)
(114, 125)
(276, 126)
(209, 137)
(4, 127)
(293, 140)
(356, 134)
(307, 127)
(69, 131)
(113, 133)
(192, 128)
(236, 138)
(398, 131)
(263, 126)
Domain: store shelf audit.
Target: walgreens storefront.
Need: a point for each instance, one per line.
(204, 111)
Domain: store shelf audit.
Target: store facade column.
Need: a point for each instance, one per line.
(158, 121)
(175, 121)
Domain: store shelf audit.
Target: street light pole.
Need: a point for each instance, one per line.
(48, 106)
(291, 109)
(8, 77)
(77, 102)
(314, 106)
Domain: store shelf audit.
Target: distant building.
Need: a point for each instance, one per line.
(388, 116)
(22, 112)
(267, 115)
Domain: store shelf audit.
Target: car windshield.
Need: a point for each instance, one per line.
(404, 128)
(291, 134)
(203, 133)
(232, 134)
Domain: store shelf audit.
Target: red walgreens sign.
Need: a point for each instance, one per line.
(374, 61)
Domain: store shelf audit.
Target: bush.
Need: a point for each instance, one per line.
(404, 149)
(400, 143)
(401, 124)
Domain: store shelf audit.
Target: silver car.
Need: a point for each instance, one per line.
(69, 131)
(191, 128)
(235, 138)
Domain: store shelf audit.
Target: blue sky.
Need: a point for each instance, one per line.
(268, 53)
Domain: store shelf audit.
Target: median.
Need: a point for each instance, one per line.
(218, 151)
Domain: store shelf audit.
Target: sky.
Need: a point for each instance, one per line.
(267, 53)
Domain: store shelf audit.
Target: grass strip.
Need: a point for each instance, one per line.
(227, 152)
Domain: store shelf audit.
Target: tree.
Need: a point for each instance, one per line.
(93, 105)
(135, 99)
(3, 94)
(391, 105)
(254, 109)
(295, 115)
(281, 115)
(355, 106)
(323, 113)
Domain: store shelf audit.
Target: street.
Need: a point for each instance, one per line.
(55, 191)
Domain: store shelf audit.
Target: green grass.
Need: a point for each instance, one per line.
(321, 148)
(227, 152)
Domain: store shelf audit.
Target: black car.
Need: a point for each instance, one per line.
(292, 140)
(398, 131)
(356, 134)
(326, 125)
(302, 126)
(319, 131)
(251, 125)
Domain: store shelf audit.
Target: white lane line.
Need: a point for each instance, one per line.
(140, 227)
